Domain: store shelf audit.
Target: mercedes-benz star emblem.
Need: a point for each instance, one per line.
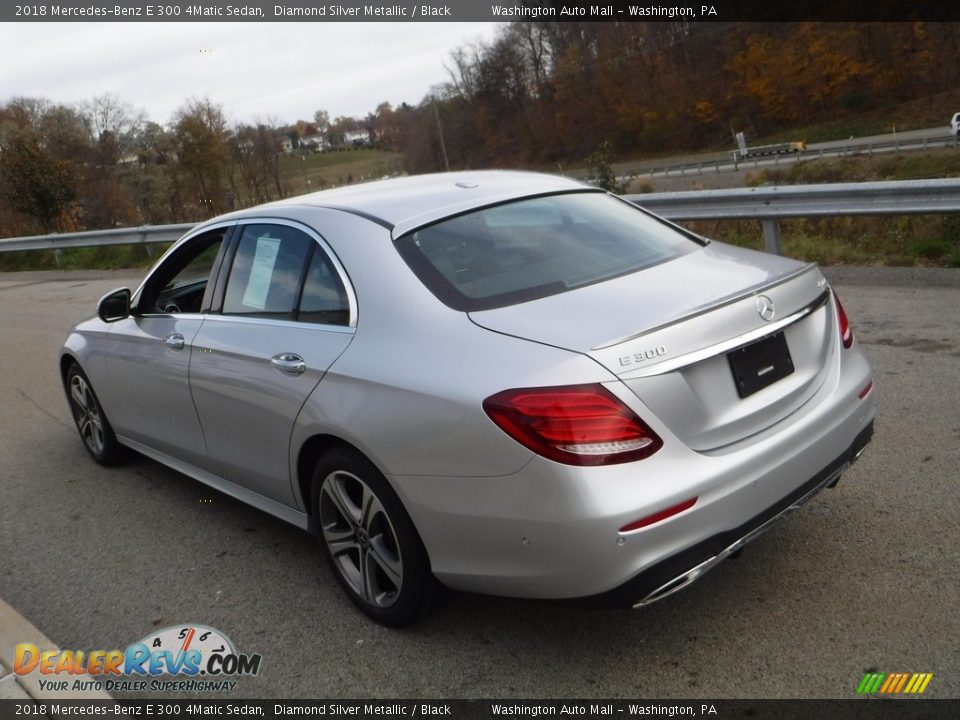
(765, 307)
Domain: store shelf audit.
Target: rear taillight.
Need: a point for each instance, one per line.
(574, 424)
(846, 332)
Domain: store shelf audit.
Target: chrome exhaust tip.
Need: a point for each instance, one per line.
(681, 581)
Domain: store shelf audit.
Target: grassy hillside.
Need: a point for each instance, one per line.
(318, 171)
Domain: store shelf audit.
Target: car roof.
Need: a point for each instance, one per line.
(404, 204)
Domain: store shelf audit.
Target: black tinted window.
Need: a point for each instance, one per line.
(178, 286)
(265, 275)
(532, 248)
(324, 298)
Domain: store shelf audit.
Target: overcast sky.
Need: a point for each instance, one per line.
(284, 71)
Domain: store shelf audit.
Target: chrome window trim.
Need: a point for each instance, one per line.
(178, 316)
(734, 343)
(260, 220)
(280, 322)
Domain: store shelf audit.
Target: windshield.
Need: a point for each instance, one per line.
(533, 248)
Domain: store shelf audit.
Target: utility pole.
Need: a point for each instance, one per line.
(443, 145)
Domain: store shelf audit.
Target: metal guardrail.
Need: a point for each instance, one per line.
(94, 238)
(772, 204)
(767, 204)
(732, 163)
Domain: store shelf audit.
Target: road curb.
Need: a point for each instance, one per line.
(15, 629)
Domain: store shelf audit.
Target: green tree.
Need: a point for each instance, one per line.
(601, 171)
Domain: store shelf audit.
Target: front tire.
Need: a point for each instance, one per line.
(92, 424)
(370, 541)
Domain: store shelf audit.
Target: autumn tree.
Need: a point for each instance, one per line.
(37, 183)
(153, 181)
(200, 129)
(112, 125)
(254, 155)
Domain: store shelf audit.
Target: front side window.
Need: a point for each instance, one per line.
(179, 285)
(528, 249)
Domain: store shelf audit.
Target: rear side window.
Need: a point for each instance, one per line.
(533, 248)
(265, 275)
(282, 273)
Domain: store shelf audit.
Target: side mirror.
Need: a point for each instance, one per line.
(115, 305)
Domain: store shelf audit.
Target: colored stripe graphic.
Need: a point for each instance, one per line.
(870, 683)
(923, 679)
(894, 683)
(891, 681)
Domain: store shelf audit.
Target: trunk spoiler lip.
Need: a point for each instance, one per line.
(730, 345)
(710, 307)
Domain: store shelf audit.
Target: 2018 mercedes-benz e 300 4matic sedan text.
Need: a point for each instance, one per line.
(500, 382)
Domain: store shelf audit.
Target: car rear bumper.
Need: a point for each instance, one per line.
(677, 572)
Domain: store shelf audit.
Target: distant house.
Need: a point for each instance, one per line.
(284, 145)
(356, 138)
(314, 143)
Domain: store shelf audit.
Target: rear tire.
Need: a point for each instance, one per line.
(370, 542)
(92, 424)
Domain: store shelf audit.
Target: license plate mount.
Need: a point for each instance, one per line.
(760, 364)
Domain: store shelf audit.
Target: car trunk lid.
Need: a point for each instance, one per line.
(667, 333)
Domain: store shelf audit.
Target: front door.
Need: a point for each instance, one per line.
(149, 353)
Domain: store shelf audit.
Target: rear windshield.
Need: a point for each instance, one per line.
(533, 248)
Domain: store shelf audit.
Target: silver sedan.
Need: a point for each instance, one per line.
(498, 382)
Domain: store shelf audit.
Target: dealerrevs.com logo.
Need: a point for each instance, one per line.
(186, 658)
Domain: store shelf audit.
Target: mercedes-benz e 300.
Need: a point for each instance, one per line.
(499, 382)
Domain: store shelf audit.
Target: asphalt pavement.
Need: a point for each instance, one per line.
(864, 578)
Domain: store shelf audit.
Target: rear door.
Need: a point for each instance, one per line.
(285, 315)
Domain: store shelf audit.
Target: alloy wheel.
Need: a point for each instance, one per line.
(361, 539)
(86, 413)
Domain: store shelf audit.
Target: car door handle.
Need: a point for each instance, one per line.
(174, 341)
(290, 363)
